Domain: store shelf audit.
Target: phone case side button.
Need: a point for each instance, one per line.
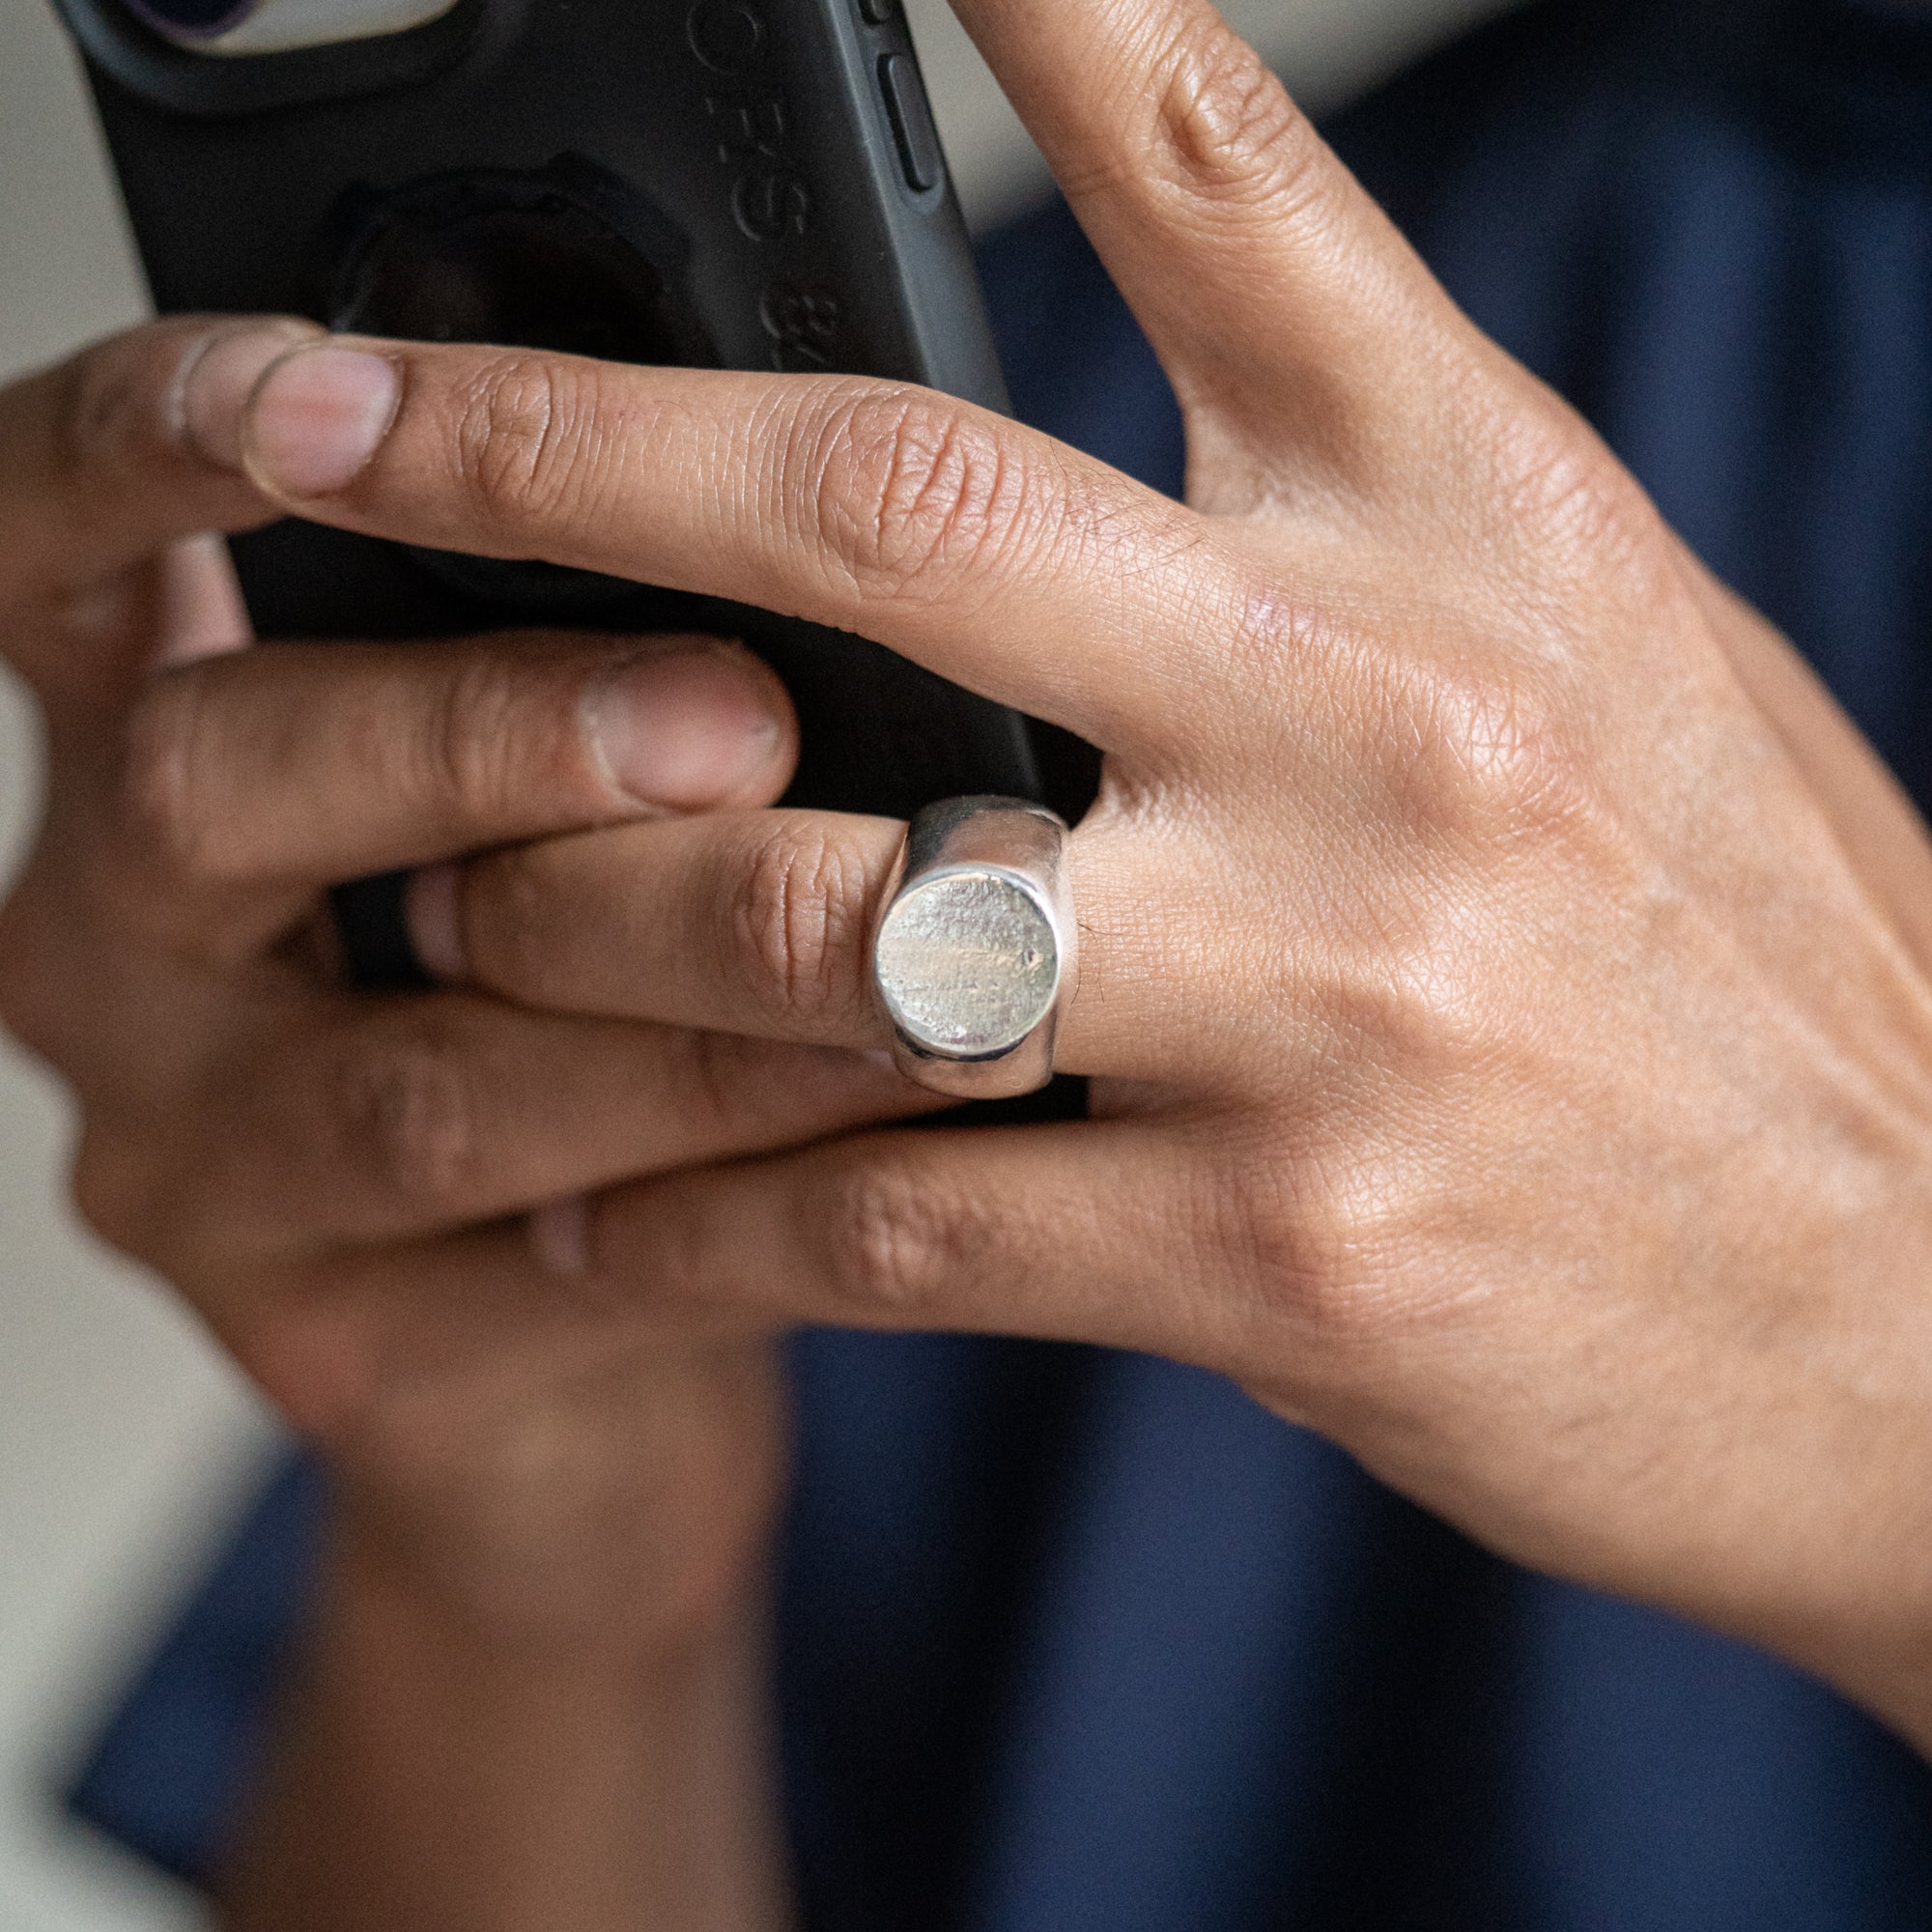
(876, 13)
(911, 116)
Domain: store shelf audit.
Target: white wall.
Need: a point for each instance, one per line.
(124, 1443)
(122, 1439)
(1327, 50)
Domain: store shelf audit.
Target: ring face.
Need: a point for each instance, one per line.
(973, 952)
(968, 963)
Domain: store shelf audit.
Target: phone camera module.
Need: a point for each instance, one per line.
(242, 27)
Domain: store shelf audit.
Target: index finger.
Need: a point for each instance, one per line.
(249, 781)
(1265, 275)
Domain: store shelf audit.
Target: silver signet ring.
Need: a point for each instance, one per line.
(973, 955)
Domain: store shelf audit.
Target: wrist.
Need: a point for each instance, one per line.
(1886, 1672)
(627, 1513)
(438, 1769)
(541, 1603)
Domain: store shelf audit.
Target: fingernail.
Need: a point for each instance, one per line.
(560, 1237)
(215, 384)
(684, 729)
(435, 920)
(317, 418)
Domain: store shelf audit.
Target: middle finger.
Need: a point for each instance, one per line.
(986, 552)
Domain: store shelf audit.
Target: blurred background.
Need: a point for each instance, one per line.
(125, 1447)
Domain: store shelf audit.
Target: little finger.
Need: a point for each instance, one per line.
(1097, 1231)
(387, 1120)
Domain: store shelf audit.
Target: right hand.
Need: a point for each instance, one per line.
(313, 1166)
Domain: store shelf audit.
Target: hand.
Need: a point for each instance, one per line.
(305, 1162)
(1503, 971)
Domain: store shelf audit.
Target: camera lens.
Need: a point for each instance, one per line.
(280, 26)
(192, 19)
(564, 257)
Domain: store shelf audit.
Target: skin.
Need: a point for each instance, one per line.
(534, 1674)
(1504, 975)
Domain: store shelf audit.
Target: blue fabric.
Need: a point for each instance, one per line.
(1074, 1640)
(169, 1774)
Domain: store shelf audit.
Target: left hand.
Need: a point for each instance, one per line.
(1504, 971)
(304, 1160)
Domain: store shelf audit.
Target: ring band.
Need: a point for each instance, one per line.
(973, 955)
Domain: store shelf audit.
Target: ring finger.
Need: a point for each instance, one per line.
(759, 923)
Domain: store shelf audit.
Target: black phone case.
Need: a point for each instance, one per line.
(745, 184)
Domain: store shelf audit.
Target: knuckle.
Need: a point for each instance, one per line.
(1225, 130)
(1562, 497)
(164, 814)
(108, 403)
(478, 741)
(1478, 758)
(906, 490)
(1403, 1014)
(798, 918)
(896, 1243)
(1315, 1233)
(406, 1112)
(525, 439)
(508, 915)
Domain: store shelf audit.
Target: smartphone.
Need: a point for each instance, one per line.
(734, 183)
